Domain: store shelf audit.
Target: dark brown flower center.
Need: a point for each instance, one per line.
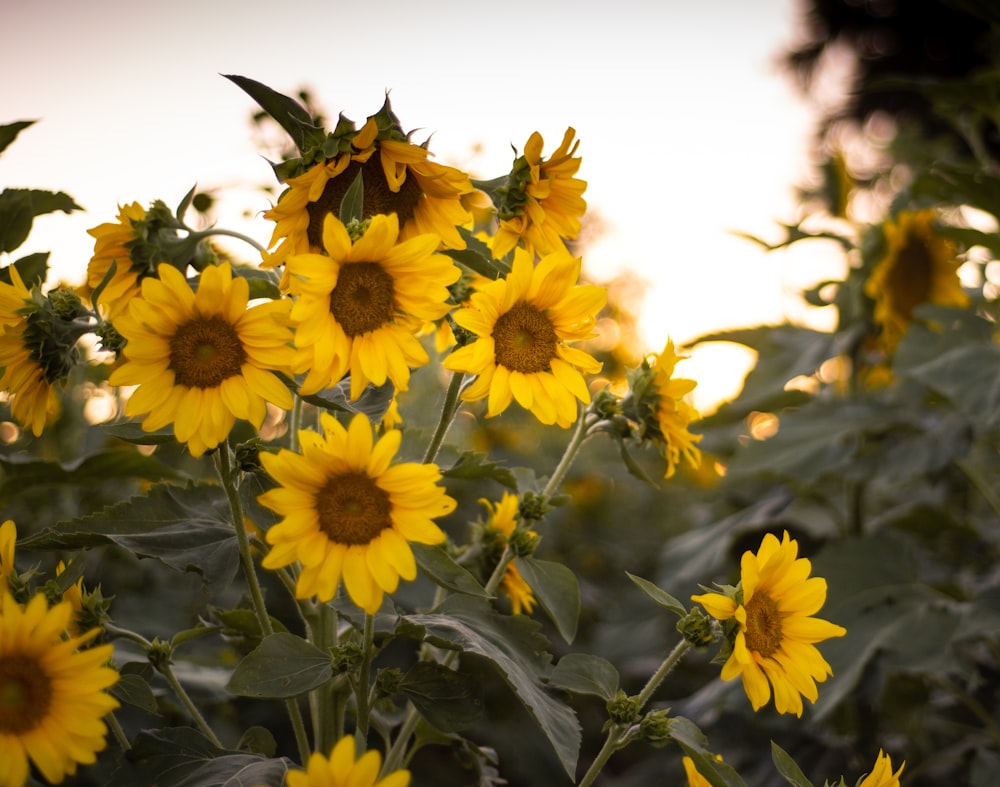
(206, 351)
(362, 300)
(524, 339)
(911, 277)
(379, 198)
(763, 632)
(25, 694)
(352, 509)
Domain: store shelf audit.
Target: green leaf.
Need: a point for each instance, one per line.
(373, 402)
(185, 527)
(107, 466)
(557, 591)
(513, 645)
(449, 700)
(183, 757)
(693, 742)
(583, 673)
(263, 282)
(787, 767)
(134, 690)
(9, 132)
(32, 268)
(282, 666)
(134, 433)
(473, 465)
(287, 112)
(661, 597)
(19, 207)
(352, 206)
(439, 567)
(258, 740)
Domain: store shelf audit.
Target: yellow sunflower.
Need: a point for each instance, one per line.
(695, 779)
(31, 356)
(202, 360)
(112, 243)
(523, 324)
(359, 307)
(503, 518)
(8, 537)
(542, 203)
(398, 178)
(775, 634)
(348, 512)
(341, 769)
(882, 775)
(52, 694)
(918, 266)
(673, 414)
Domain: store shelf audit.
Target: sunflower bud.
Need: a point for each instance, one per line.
(655, 728)
(523, 542)
(387, 682)
(347, 657)
(699, 630)
(623, 709)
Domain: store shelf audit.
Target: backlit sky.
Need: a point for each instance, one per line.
(687, 128)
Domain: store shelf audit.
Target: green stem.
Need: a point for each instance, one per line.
(294, 421)
(448, 411)
(580, 434)
(229, 233)
(328, 708)
(618, 732)
(117, 731)
(362, 691)
(167, 672)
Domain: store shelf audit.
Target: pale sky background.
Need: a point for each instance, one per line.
(687, 128)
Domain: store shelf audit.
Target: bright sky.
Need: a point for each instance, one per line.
(687, 128)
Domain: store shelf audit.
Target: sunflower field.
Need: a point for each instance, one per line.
(386, 503)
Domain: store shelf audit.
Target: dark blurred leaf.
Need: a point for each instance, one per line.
(788, 768)
(19, 207)
(439, 567)
(134, 433)
(693, 742)
(134, 690)
(32, 268)
(9, 132)
(373, 402)
(449, 700)
(258, 740)
(583, 673)
(185, 527)
(263, 282)
(287, 112)
(282, 666)
(512, 643)
(557, 591)
(183, 757)
(793, 234)
(16, 474)
(474, 464)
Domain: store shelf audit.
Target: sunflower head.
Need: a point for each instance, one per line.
(882, 774)
(918, 265)
(500, 530)
(769, 624)
(342, 769)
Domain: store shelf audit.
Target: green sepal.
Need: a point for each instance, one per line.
(352, 206)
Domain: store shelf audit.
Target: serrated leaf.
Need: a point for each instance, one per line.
(9, 132)
(691, 739)
(352, 206)
(557, 591)
(19, 207)
(185, 527)
(658, 595)
(449, 700)
(513, 645)
(441, 569)
(584, 673)
(134, 690)
(281, 667)
(94, 469)
(183, 757)
(788, 768)
(474, 465)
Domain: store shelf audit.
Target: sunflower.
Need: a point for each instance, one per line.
(8, 537)
(341, 769)
(882, 775)
(774, 633)
(113, 242)
(202, 360)
(695, 779)
(503, 519)
(358, 310)
(35, 355)
(918, 266)
(542, 204)
(673, 414)
(523, 324)
(349, 512)
(398, 178)
(52, 694)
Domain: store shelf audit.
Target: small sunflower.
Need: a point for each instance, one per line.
(919, 266)
(341, 769)
(113, 243)
(523, 324)
(8, 537)
(202, 360)
(348, 512)
(359, 308)
(775, 634)
(882, 775)
(52, 694)
(503, 519)
(672, 413)
(542, 204)
(398, 178)
(37, 352)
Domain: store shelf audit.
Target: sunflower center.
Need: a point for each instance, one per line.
(362, 300)
(525, 340)
(763, 632)
(352, 510)
(378, 197)
(206, 351)
(25, 695)
(910, 280)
